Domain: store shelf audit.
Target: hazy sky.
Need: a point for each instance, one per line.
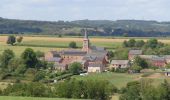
(54, 10)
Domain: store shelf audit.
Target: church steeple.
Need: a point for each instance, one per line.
(85, 34)
(85, 41)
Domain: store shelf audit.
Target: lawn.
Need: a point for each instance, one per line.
(31, 98)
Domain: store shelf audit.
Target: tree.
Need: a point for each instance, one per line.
(39, 76)
(6, 56)
(140, 62)
(139, 43)
(131, 43)
(13, 64)
(152, 43)
(20, 69)
(29, 57)
(136, 68)
(75, 68)
(110, 54)
(72, 44)
(11, 39)
(132, 91)
(39, 54)
(19, 39)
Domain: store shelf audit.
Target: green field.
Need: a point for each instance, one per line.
(121, 79)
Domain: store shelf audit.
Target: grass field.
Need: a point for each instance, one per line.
(121, 79)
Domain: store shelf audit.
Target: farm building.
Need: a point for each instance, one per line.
(119, 64)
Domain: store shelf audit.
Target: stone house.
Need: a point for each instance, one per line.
(119, 64)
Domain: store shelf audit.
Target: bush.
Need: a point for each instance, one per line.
(121, 70)
(72, 44)
(39, 76)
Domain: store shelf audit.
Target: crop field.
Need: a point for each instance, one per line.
(45, 44)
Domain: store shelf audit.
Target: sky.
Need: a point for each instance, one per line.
(68, 10)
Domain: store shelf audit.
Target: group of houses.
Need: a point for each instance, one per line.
(92, 58)
(154, 60)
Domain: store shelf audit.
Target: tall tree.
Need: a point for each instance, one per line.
(11, 39)
(29, 57)
(6, 56)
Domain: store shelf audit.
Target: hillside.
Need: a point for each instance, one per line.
(132, 28)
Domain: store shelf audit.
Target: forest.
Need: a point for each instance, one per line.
(125, 28)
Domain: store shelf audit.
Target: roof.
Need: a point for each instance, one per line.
(95, 65)
(55, 59)
(93, 58)
(96, 48)
(74, 52)
(158, 58)
(119, 61)
(135, 52)
(55, 53)
(146, 56)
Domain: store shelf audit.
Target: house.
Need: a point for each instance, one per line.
(158, 61)
(51, 55)
(95, 68)
(119, 64)
(133, 53)
(95, 59)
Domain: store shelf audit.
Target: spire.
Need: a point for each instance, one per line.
(85, 34)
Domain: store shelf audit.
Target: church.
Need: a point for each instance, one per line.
(92, 58)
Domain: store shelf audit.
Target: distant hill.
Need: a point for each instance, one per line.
(134, 28)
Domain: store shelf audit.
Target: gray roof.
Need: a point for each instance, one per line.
(55, 53)
(119, 61)
(96, 48)
(93, 58)
(158, 58)
(95, 65)
(135, 52)
(146, 56)
(55, 59)
(74, 52)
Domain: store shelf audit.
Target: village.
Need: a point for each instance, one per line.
(95, 59)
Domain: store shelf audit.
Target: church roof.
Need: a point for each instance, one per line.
(74, 52)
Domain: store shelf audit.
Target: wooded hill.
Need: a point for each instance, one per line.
(139, 28)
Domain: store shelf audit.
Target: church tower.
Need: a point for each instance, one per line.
(86, 42)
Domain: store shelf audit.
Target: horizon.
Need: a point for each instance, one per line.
(55, 10)
(84, 19)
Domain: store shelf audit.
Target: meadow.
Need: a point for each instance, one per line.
(121, 79)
